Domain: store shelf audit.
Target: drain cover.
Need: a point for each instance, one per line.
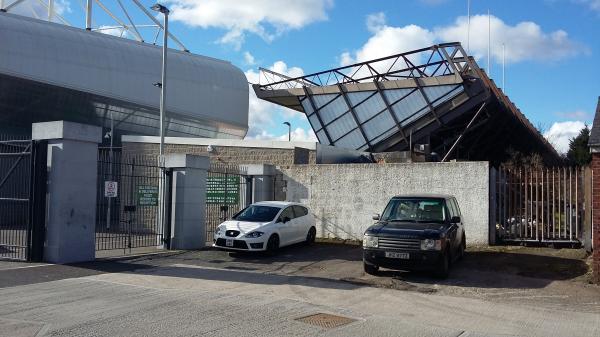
(327, 321)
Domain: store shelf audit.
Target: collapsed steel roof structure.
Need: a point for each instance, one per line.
(436, 95)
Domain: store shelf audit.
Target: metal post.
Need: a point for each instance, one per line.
(110, 168)
(50, 10)
(163, 83)
(468, 24)
(88, 15)
(1, 4)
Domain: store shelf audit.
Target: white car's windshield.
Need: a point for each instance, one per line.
(415, 210)
(255, 213)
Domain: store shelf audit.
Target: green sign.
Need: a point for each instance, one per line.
(147, 195)
(222, 191)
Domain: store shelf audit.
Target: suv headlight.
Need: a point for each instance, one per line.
(431, 244)
(370, 241)
(254, 235)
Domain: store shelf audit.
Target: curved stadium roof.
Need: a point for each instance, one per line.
(51, 71)
(436, 95)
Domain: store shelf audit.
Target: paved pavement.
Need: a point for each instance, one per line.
(215, 294)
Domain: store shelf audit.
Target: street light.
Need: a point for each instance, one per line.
(289, 130)
(163, 83)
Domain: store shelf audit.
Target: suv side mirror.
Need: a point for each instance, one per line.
(375, 216)
(455, 219)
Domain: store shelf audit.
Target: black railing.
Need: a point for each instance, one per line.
(128, 212)
(22, 198)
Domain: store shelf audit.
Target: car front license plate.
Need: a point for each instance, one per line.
(229, 242)
(394, 255)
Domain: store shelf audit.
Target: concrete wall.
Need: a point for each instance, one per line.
(344, 197)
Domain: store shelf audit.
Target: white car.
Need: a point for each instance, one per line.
(266, 226)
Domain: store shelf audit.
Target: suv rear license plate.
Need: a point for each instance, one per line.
(229, 242)
(394, 255)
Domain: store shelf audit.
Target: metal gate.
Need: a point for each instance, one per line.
(228, 190)
(22, 198)
(538, 205)
(130, 206)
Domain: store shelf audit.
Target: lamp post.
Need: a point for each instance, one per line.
(289, 130)
(163, 84)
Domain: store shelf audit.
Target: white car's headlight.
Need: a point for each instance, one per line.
(218, 231)
(254, 235)
(431, 244)
(370, 241)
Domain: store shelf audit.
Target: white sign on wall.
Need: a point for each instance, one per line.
(111, 189)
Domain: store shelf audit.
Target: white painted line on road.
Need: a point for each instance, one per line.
(540, 296)
(24, 267)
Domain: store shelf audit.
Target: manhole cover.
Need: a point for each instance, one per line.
(327, 321)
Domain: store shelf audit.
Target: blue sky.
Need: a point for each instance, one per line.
(552, 46)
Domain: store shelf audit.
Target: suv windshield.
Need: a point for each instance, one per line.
(415, 210)
(256, 213)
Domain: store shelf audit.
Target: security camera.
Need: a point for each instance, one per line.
(210, 148)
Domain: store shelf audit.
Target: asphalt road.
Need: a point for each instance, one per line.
(186, 295)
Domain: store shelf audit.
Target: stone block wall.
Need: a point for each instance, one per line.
(596, 216)
(344, 197)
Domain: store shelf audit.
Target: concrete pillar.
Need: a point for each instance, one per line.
(71, 191)
(596, 214)
(263, 176)
(188, 200)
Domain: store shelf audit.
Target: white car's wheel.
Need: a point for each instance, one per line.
(311, 236)
(273, 244)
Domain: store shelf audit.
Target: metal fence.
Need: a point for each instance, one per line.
(22, 198)
(539, 205)
(228, 190)
(129, 211)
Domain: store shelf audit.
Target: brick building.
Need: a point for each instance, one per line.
(594, 144)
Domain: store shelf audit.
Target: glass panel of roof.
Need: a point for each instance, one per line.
(435, 92)
(322, 137)
(341, 126)
(449, 96)
(415, 116)
(393, 95)
(378, 125)
(369, 108)
(333, 110)
(307, 107)
(356, 97)
(314, 122)
(409, 105)
(353, 140)
(321, 100)
(385, 135)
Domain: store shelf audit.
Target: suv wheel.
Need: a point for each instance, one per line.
(370, 269)
(443, 267)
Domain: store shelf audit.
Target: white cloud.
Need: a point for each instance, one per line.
(298, 135)
(524, 41)
(561, 133)
(592, 4)
(33, 8)
(577, 115)
(249, 59)
(265, 18)
(114, 31)
(262, 113)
